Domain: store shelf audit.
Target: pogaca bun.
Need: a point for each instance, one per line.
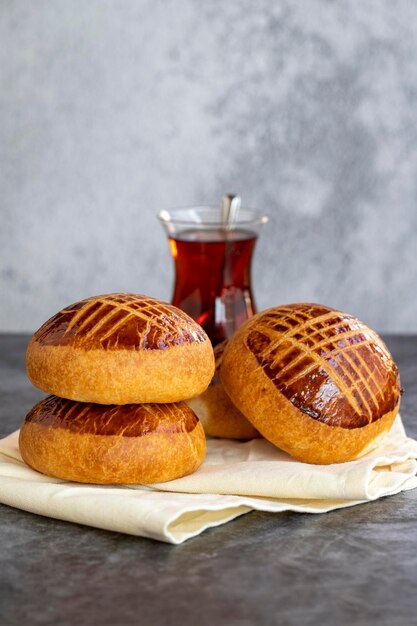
(91, 443)
(216, 411)
(315, 382)
(121, 349)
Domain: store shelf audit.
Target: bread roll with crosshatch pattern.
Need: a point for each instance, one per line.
(129, 444)
(216, 411)
(316, 382)
(121, 349)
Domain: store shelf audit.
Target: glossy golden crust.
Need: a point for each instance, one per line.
(87, 443)
(120, 321)
(317, 383)
(130, 420)
(75, 355)
(217, 413)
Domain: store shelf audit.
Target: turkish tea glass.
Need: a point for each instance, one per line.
(213, 265)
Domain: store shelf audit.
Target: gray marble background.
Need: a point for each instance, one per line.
(111, 110)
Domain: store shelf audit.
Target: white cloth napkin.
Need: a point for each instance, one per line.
(235, 478)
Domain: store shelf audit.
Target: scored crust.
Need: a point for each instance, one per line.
(130, 444)
(317, 383)
(121, 349)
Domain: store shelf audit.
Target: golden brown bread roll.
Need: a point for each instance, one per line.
(215, 410)
(317, 383)
(121, 349)
(91, 443)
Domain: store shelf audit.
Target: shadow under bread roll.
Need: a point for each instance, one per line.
(216, 411)
(128, 444)
(316, 382)
(121, 349)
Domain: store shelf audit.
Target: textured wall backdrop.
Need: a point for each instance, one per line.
(111, 110)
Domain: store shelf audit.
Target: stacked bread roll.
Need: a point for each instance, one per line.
(119, 368)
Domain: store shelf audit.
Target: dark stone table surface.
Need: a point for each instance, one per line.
(347, 567)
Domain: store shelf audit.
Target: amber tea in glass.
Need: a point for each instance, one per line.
(213, 266)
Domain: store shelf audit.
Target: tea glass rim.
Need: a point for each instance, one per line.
(178, 215)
